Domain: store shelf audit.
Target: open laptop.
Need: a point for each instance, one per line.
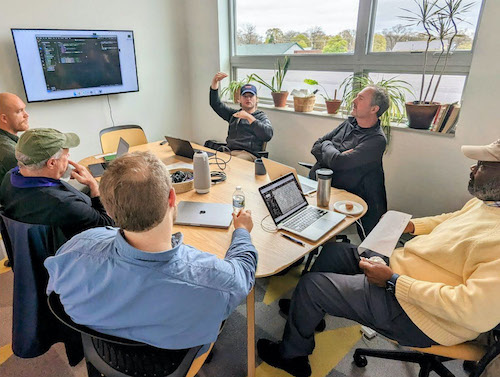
(290, 210)
(275, 170)
(98, 169)
(183, 147)
(211, 215)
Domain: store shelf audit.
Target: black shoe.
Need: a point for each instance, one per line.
(284, 305)
(270, 353)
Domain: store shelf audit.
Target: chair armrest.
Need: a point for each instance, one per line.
(306, 164)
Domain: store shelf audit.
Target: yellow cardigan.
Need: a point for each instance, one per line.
(449, 282)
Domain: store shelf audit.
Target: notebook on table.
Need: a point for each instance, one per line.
(290, 210)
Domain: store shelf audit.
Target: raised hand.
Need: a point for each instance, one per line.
(217, 78)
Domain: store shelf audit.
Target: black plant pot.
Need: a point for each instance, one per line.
(420, 115)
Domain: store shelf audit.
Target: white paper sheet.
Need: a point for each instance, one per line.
(384, 237)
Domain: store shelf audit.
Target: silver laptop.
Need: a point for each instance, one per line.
(275, 170)
(211, 215)
(290, 210)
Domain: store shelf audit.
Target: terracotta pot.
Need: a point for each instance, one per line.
(332, 106)
(420, 116)
(279, 98)
(236, 95)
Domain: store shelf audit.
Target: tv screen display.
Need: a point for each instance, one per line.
(57, 64)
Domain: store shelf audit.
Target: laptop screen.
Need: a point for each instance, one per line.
(283, 197)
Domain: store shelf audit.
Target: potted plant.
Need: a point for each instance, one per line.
(440, 23)
(332, 105)
(396, 89)
(281, 68)
(234, 87)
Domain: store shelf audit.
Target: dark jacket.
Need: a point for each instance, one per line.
(359, 171)
(241, 134)
(7, 152)
(61, 205)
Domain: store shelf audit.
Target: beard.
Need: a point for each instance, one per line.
(485, 191)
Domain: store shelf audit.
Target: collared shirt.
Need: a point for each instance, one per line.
(8, 159)
(172, 299)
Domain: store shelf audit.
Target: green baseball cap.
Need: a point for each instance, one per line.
(40, 144)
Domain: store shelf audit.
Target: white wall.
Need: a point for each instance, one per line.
(158, 27)
(425, 174)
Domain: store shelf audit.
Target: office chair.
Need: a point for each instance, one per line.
(117, 357)
(476, 356)
(34, 328)
(132, 134)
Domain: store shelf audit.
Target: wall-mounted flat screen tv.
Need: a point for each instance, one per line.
(57, 64)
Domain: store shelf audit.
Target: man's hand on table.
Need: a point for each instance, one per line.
(376, 273)
(243, 220)
(83, 176)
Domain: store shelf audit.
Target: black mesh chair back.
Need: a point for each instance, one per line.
(117, 357)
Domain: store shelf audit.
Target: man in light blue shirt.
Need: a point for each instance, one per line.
(140, 281)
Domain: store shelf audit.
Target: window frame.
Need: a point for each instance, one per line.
(362, 60)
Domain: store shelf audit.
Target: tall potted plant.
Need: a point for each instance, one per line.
(440, 22)
(396, 89)
(281, 68)
(332, 104)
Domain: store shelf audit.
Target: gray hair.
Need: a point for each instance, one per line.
(380, 98)
(23, 161)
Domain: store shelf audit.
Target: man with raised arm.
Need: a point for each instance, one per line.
(249, 128)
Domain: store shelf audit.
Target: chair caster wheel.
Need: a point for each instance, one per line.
(360, 360)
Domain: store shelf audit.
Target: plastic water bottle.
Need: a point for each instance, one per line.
(238, 200)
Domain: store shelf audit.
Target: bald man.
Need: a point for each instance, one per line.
(13, 119)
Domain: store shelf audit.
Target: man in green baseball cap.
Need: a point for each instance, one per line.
(34, 193)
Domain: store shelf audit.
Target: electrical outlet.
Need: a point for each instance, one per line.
(368, 332)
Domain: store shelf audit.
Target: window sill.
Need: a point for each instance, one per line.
(323, 114)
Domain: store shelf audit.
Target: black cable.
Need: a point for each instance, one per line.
(220, 162)
(110, 111)
(217, 177)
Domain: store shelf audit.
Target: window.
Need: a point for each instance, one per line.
(328, 40)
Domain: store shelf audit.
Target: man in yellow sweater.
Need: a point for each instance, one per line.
(441, 288)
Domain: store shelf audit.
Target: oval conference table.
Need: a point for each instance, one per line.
(275, 252)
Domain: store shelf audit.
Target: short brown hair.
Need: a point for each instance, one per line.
(135, 190)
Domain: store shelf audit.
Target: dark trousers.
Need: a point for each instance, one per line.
(337, 286)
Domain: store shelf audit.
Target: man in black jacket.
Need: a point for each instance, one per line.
(354, 152)
(249, 128)
(34, 193)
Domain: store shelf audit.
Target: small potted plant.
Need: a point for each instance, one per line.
(332, 105)
(440, 23)
(279, 96)
(234, 87)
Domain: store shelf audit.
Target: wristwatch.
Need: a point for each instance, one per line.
(390, 285)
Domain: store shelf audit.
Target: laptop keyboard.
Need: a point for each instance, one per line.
(306, 218)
